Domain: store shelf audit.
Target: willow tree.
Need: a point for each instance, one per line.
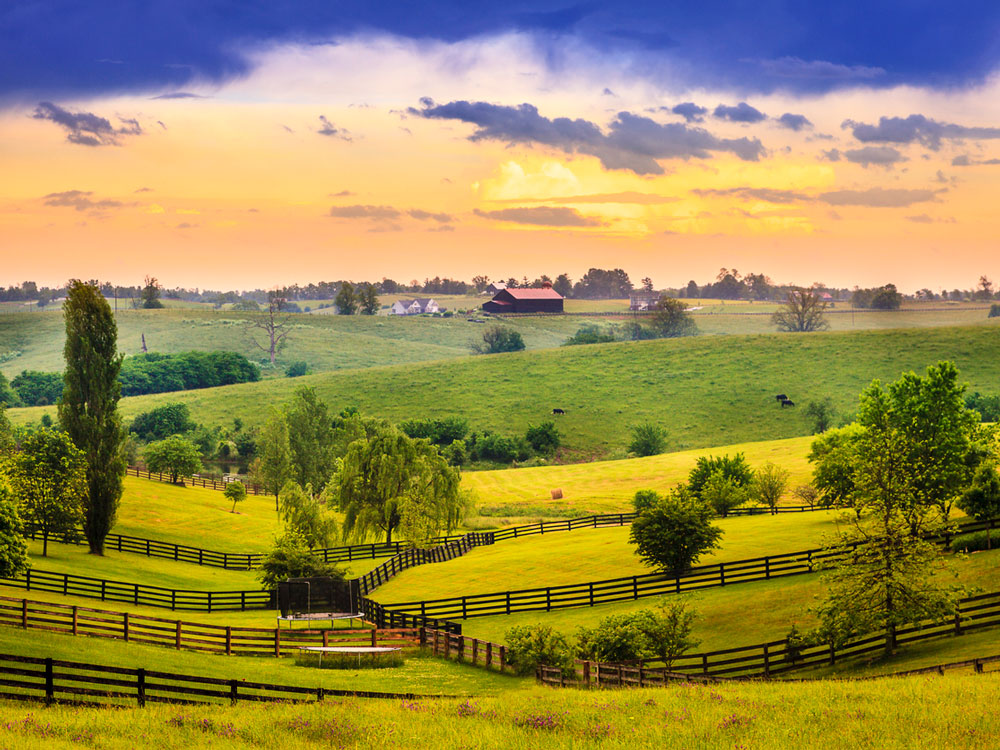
(89, 407)
(388, 482)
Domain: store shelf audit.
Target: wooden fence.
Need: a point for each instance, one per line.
(764, 660)
(190, 636)
(591, 593)
(465, 649)
(209, 484)
(141, 594)
(50, 681)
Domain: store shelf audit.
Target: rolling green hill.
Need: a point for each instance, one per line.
(705, 390)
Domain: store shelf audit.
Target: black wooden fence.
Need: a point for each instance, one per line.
(589, 594)
(773, 658)
(141, 594)
(51, 681)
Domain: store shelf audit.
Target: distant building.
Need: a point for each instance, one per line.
(413, 307)
(496, 286)
(544, 300)
(642, 300)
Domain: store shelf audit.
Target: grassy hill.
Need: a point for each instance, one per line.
(705, 390)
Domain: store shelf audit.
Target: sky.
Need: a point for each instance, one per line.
(221, 144)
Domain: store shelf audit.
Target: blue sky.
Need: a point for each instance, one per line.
(67, 48)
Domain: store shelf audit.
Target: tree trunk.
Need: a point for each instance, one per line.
(388, 535)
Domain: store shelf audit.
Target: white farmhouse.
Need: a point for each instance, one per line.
(413, 307)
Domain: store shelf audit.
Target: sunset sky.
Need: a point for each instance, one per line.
(240, 145)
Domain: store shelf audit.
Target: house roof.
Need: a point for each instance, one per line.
(405, 302)
(425, 301)
(543, 293)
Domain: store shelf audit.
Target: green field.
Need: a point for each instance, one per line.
(914, 713)
(705, 391)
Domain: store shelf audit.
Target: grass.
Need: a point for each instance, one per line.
(591, 554)
(705, 390)
(899, 714)
(420, 674)
(608, 486)
(737, 615)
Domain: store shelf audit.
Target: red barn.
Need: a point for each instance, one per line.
(544, 300)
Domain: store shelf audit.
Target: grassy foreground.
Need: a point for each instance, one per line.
(898, 713)
(706, 391)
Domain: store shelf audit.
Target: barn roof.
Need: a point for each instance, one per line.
(543, 293)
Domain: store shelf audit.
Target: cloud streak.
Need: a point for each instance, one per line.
(916, 129)
(542, 216)
(632, 142)
(86, 128)
(81, 200)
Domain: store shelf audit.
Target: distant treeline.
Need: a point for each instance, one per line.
(141, 374)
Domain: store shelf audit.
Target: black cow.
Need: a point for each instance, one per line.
(787, 402)
(781, 397)
(558, 411)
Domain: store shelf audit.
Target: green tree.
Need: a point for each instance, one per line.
(162, 422)
(982, 498)
(821, 413)
(291, 558)
(89, 407)
(670, 319)
(6, 434)
(563, 285)
(648, 439)
(310, 438)
(667, 630)
(736, 468)
(306, 516)
(722, 493)
(175, 455)
(274, 466)
(543, 438)
(389, 481)
(673, 533)
(8, 396)
(368, 299)
(616, 638)
(13, 549)
(236, 492)
(833, 457)
(498, 339)
(803, 312)
(151, 294)
(48, 476)
(38, 388)
(769, 483)
(346, 301)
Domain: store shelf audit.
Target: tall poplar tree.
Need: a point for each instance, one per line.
(89, 407)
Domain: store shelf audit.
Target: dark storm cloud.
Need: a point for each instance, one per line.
(632, 142)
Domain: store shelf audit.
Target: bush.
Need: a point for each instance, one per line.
(438, 431)
(722, 493)
(589, 333)
(497, 448)
(498, 339)
(162, 422)
(38, 388)
(994, 311)
(161, 373)
(544, 438)
(974, 542)
(529, 646)
(456, 454)
(615, 639)
(987, 406)
(296, 369)
(648, 439)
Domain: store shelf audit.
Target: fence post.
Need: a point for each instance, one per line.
(74, 620)
(475, 651)
(767, 567)
(232, 692)
(704, 663)
(489, 654)
(24, 614)
(277, 642)
(374, 636)
(979, 666)
(320, 694)
(125, 625)
(229, 641)
(503, 657)
(140, 687)
(586, 670)
(722, 574)
(50, 688)
(958, 622)
(767, 662)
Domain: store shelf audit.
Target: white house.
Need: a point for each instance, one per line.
(413, 307)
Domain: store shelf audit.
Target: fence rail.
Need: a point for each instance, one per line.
(49, 681)
(764, 660)
(190, 636)
(209, 484)
(141, 594)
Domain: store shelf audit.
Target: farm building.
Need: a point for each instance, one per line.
(642, 300)
(414, 307)
(544, 300)
(496, 286)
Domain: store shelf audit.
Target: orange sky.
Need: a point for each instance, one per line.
(235, 189)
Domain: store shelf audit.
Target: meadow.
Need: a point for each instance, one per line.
(705, 391)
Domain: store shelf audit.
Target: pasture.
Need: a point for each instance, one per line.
(705, 391)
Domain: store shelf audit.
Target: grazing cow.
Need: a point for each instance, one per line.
(787, 402)
(781, 397)
(558, 411)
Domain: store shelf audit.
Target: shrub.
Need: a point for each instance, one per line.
(544, 438)
(456, 454)
(616, 638)
(438, 431)
(162, 422)
(296, 369)
(648, 439)
(498, 339)
(589, 333)
(498, 448)
(987, 406)
(994, 311)
(160, 373)
(529, 646)
(974, 542)
(722, 493)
